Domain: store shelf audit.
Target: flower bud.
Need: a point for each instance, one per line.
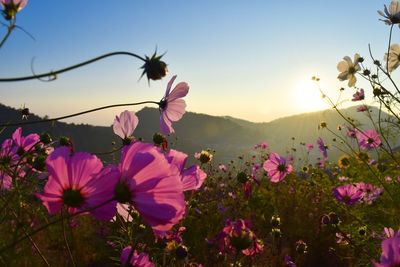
(158, 139)
(154, 68)
(275, 221)
(45, 138)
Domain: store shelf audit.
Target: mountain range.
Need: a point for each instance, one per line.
(229, 137)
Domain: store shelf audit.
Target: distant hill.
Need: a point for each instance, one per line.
(228, 136)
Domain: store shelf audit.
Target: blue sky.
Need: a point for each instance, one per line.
(248, 59)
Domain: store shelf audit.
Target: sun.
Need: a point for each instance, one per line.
(307, 96)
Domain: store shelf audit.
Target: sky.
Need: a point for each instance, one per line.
(248, 59)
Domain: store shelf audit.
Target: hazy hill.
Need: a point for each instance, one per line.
(230, 137)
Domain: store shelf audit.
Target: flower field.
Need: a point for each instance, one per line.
(150, 207)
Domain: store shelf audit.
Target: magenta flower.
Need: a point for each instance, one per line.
(172, 106)
(262, 145)
(348, 194)
(192, 177)
(8, 158)
(151, 185)
(78, 182)
(390, 256)
(351, 132)
(237, 236)
(277, 167)
(370, 192)
(309, 147)
(362, 108)
(358, 96)
(136, 260)
(24, 144)
(322, 147)
(125, 124)
(368, 139)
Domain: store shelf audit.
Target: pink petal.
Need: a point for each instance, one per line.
(175, 109)
(169, 85)
(180, 90)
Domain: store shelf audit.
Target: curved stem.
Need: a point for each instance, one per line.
(78, 114)
(10, 28)
(52, 74)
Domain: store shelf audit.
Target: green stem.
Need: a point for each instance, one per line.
(52, 74)
(15, 242)
(10, 28)
(78, 114)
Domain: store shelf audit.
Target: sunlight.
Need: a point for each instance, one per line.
(307, 97)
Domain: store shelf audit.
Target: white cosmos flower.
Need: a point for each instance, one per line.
(394, 57)
(391, 14)
(348, 69)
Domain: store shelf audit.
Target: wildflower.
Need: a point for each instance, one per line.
(301, 247)
(237, 236)
(344, 162)
(8, 158)
(222, 167)
(12, 7)
(261, 145)
(322, 147)
(154, 68)
(348, 194)
(277, 167)
(351, 132)
(363, 157)
(136, 260)
(204, 156)
(390, 252)
(78, 182)
(172, 106)
(369, 192)
(288, 261)
(24, 143)
(192, 177)
(368, 139)
(309, 147)
(359, 95)
(362, 230)
(124, 124)
(348, 69)
(151, 185)
(275, 221)
(394, 56)
(342, 239)
(391, 15)
(362, 108)
(343, 178)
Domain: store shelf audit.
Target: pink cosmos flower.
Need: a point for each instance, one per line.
(221, 167)
(151, 185)
(125, 124)
(78, 182)
(370, 192)
(359, 95)
(172, 106)
(368, 139)
(24, 143)
(262, 145)
(136, 260)
(192, 177)
(390, 256)
(237, 235)
(309, 147)
(8, 158)
(348, 194)
(15, 4)
(362, 108)
(322, 147)
(351, 132)
(277, 167)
